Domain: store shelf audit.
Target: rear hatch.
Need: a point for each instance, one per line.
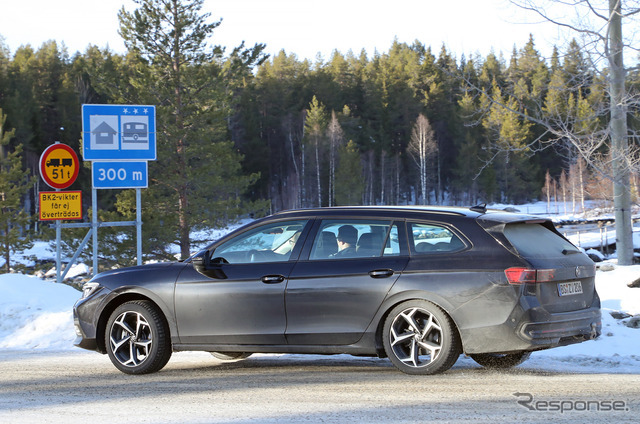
(559, 274)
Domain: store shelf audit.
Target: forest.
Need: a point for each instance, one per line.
(244, 134)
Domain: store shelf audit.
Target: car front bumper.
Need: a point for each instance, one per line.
(86, 320)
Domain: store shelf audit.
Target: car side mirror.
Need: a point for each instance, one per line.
(209, 267)
(202, 262)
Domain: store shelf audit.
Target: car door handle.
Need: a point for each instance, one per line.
(381, 273)
(272, 279)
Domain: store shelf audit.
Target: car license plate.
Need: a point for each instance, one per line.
(567, 289)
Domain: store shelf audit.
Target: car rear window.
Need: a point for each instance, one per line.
(537, 241)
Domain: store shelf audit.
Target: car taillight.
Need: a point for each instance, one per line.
(525, 275)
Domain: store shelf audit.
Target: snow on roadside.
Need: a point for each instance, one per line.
(35, 313)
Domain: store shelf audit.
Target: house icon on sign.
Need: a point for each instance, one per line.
(104, 134)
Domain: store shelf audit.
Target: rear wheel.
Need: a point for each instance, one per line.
(420, 338)
(500, 361)
(230, 356)
(137, 338)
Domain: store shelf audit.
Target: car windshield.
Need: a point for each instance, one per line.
(268, 243)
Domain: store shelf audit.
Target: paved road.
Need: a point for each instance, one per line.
(80, 387)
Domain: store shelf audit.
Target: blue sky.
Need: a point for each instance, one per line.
(303, 27)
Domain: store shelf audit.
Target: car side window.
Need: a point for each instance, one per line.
(428, 239)
(273, 242)
(355, 238)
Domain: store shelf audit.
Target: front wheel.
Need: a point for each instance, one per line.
(420, 338)
(137, 338)
(500, 361)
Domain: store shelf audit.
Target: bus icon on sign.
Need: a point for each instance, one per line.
(134, 132)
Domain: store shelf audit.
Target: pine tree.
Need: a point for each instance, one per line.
(509, 135)
(186, 81)
(349, 179)
(14, 184)
(315, 126)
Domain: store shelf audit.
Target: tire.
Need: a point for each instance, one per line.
(137, 338)
(500, 361)
(230, 356)
(420, 338)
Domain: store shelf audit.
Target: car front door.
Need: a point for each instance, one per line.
(332, 295)
(239, 299)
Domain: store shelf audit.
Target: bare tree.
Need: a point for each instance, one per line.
(294, 139)
(422, 147)
(547, 189)
(563, 187)
(599, 25)
(336, 139)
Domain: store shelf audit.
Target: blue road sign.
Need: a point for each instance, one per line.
(118, 132)
(128, 174)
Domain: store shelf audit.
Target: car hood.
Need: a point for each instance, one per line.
(138, 275)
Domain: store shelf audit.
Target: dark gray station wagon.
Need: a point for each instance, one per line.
(418, 285)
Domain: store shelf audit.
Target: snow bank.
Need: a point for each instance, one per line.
(35, 314)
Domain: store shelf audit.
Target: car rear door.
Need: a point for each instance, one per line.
(331, 298)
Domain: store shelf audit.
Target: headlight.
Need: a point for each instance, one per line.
(88, 289)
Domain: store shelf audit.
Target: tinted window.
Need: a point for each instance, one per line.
(429, 239)
(354, 238)
(537, 241)
(272, 242)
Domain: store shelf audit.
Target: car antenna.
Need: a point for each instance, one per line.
(482, 208)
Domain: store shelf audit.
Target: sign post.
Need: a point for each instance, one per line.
(119, 140)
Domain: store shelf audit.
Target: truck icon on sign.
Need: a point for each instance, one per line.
(57, 162)
(134, 132)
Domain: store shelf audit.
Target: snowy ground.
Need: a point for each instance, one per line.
(35, 315)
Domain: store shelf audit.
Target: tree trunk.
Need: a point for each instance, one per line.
(619, 140)
(397, 178)
(383, 155)
(319, 188)
(298, 192)
(7, 247)
(304, 180)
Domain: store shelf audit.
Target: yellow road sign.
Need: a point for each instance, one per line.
(58, 205)
(59, 166)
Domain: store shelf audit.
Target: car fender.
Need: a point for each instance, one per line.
(395, 299)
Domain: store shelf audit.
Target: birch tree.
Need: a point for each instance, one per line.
(423, 147)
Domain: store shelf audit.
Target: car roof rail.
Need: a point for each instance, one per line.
(481, 208)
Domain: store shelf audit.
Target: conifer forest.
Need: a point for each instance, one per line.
(242, 134)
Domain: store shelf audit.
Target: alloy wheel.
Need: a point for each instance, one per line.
(131, 338)
(416, 337)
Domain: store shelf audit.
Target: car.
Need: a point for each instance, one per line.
(419, 285)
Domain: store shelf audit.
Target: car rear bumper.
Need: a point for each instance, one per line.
(563, 328)
(534, 329)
